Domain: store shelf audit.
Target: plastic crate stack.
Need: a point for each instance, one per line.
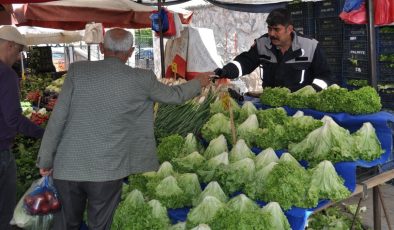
(329, 33)
(302, 14)
(355, 58)
(385, 50)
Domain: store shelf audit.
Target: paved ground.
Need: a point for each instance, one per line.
(387, 191)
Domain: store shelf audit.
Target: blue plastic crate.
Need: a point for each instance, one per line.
(332, 26)
(386, 72)
(356, 49)
(335, 63)
(385, 43)
(355, 70)
(355, 31)
(301, 10)
(387, 100)
(330, 40)
(331, 50)
(306, 27)
(329, 8)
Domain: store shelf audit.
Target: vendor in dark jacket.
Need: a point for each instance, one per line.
(11, 120)
(287, 58)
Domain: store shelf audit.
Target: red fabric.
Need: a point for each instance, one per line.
(358, 16)
(180, 66)
(392, 11)
(23, 1)
(59, 15)
(382, 12)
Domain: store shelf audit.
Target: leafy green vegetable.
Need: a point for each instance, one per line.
(140, 181)
(213, 167)
(287, 157)
(158, 210)
(274, 96)
(134, 213)
(242, 203)
(332, 99)
(247, 109)
(288, 185)
(240, 151)
(165, 170)
(333, 218)
(265, 157)
(170, 147)
(273, 137)
(178, 226)
(297, 128)
(234, 177)
(278, 218)
(216, 147)
(256, 187)
(326, 183)
(218, 124)
(248, 128)
(271, 117)
(302, 98)
(367, 142)
(190, 185)
(189, 163)
(217, 107)
(362, 101)
(329, 142)
(241, 213)
(212, 189)
(204, 212)
(170, 194)
(191, 144)
(201, 227)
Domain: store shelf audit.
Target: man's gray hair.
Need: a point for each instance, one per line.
(118, 43)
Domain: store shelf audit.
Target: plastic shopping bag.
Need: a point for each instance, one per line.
(33, 200)
(43, 199)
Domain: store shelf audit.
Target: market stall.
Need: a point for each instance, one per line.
(180, 192)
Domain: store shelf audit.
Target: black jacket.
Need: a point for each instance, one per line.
(303, 64)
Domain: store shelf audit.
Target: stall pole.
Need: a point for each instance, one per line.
(373, 81)
(159, 6)
(376, 209)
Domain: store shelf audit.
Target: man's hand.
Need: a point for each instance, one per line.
(204, 78)
(45, 172)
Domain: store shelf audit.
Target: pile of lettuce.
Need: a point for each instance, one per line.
(238, 213)
(277, 130)
(263, 128)
(334, 143)
(135, 213)
(175, 146)
(173, 190)
(333, 99)
(285, 181)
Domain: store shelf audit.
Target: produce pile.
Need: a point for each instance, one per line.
(209, 166)
(333, 99)
(37, 100)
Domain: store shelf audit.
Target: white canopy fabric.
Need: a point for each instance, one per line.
(38, 35)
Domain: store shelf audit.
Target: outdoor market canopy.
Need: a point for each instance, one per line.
(75, 14)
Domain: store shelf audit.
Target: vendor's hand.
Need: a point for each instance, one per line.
(204, 78)
(45, 172)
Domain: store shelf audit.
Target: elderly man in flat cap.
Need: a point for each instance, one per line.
(12, 121)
